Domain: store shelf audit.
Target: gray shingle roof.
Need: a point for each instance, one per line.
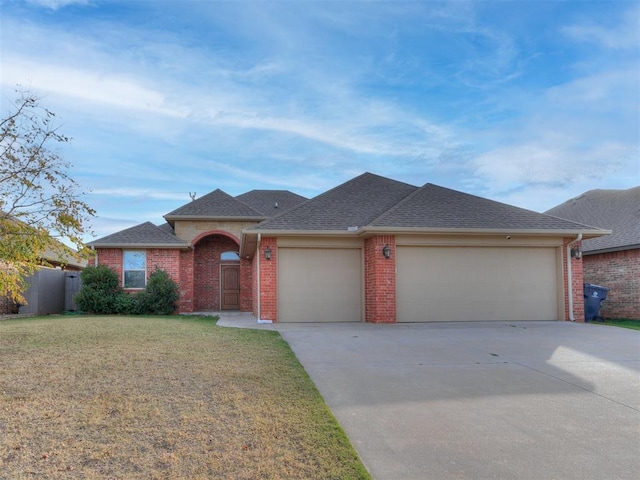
(432, 206)
(145, 235)
(271, 202)
(216, 204)
(615, 210)
(352, 204)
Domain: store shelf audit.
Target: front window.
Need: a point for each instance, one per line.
(135, 268)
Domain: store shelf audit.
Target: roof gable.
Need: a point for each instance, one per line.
(437, 207)
(615, 210)
(271, 202)
(216, 204)
(353, 204)
(142, 235)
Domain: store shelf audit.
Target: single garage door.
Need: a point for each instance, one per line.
(476, 283)
(319, 285)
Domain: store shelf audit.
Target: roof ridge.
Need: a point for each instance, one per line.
(397, 205)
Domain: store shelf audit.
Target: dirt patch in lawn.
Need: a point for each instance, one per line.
(131, 397)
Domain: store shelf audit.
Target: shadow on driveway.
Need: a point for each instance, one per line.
(481, 400)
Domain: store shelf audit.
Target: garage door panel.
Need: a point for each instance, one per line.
(319, 285)
(476, 283)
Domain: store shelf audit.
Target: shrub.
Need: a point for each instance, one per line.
(125, 304)
(160, 296)
(99, 290)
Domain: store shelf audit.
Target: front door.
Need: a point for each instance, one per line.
(230, 287)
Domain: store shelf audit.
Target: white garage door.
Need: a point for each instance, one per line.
(476, 283)
(319, 285)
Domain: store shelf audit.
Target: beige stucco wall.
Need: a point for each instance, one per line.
(187, 230)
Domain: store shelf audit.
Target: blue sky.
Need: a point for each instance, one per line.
(528, 103)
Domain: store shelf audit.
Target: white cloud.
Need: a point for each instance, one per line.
(57, 4)
(108, 89)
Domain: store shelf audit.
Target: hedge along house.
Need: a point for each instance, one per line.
(372, 249)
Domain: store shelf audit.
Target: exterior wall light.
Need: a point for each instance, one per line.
(267, 253)
(576, 252)
(386, 251)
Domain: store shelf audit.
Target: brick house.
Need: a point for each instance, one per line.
(372, 249)
(612, 261)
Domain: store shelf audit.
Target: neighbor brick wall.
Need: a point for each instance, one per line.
(620, 273)
(576, 284)
(380, 280)
(268, 279)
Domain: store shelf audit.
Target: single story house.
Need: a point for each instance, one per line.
(612, 261)
(372, 249)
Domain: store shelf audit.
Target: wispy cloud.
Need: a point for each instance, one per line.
(622, 34)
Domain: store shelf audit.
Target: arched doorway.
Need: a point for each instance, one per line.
(216, 274)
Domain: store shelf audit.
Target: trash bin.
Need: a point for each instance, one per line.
(594, 295)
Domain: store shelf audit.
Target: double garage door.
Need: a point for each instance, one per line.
(476, 283)
(432, 284)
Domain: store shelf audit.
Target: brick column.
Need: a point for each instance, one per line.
(380, 280)
(268, 279)
(185, 303)
(577, 280)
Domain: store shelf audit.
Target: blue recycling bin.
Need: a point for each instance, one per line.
(594, 295)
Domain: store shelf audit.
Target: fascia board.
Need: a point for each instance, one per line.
(486, 231)
(139, 246)
(174, 218)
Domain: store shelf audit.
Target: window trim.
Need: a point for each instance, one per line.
(125, 270)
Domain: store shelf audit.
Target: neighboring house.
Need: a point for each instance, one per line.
(372, 249)
(612, 261)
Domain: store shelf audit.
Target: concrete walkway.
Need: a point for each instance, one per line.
(491, 400)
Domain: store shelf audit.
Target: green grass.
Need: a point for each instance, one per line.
(622, 322)
(160, 398)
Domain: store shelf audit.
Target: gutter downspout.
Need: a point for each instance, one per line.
(258, 273)
(570, 276)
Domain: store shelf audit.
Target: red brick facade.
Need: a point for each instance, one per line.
(197, 273)
(620, 273)
(380, 280)
(268, 279)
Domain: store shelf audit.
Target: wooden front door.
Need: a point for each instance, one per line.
(230, 287)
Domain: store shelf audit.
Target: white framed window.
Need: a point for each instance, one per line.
(134, 269)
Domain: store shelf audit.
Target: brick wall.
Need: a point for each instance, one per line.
(112, 258)
(380, 280)
(185, 304)
(246, 285)
(620, 273)
(268, 279)
(576, 283)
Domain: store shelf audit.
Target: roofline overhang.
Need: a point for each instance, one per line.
(586, 233)
(621, 248)
(173, 218)
(372, 230)
(140, 246)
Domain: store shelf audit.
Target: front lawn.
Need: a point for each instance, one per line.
(621, 322)
(161, 398)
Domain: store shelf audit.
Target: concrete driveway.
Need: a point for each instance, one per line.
(494, 400)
